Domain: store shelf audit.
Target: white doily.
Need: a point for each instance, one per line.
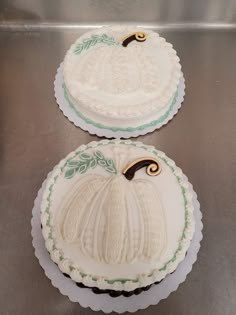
(71, 114)
(103, 302)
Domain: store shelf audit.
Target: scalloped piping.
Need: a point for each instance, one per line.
(140, 109)
(117, 284)
(70, 115)
(128, 129)
(152, 297)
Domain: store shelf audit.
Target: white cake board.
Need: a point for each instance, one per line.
(71, 114)
(103, 302)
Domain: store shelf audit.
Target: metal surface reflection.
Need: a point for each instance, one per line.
(35, 135)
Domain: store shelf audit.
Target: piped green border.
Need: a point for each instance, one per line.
(153, 123)
(165, 160)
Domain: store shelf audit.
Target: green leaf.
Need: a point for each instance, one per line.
(111, 169)
(110, 162)
(93, 40)
(99, 155)
(102, 163)
(83, 162)
(83, 168)
(93, 163)
(86, 44)
(72, 164)
(85, 156)
(78, 49)
(70, 173)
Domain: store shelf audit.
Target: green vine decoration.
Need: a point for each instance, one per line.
(93, 40)
(89, 161)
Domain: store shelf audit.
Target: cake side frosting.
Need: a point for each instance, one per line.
(128, 82)
(115, 124)
(104, 172)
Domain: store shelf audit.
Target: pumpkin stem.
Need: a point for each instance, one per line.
(153, 167)
(138, 36)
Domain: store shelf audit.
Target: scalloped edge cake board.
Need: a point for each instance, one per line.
(73, 117)
(103, 302)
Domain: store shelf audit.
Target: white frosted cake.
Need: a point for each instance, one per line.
(121, 78)
(117, 216)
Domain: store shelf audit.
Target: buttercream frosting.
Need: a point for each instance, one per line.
(108, 232)
(116, 85)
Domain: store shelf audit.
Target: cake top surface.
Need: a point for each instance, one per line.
(117, 214)
(121, 71)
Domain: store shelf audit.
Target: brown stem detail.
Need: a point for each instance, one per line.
(153, 167)
(138, 36)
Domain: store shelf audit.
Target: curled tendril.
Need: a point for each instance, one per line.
(138, 36)
(153, 167)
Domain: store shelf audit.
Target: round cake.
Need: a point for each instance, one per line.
(117, 216)
(121, 78)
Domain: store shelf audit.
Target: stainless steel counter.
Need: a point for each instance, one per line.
(34, 136)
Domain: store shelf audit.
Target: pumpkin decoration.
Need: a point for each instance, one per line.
(114, 219)
(122, 66)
